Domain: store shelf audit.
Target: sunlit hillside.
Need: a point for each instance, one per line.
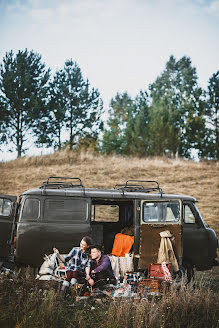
(200, 180)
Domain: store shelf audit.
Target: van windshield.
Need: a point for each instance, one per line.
(161, 211)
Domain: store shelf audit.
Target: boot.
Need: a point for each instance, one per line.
(64, 288)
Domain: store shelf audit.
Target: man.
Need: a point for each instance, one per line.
(101, 269)
(79, 267)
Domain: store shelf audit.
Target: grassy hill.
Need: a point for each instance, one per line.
(200, 180)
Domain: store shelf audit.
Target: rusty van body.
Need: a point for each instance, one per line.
(62, 211)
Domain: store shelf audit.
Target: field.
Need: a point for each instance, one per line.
(174, 176)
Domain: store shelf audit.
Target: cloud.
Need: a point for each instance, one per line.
(213, 8)
(41, 14)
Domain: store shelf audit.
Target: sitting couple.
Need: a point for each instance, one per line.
(97, 271)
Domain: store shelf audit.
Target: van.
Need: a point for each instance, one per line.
(62, 211)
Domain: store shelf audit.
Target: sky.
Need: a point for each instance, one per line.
(120, 45)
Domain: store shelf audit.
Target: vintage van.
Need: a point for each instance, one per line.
(62, 211)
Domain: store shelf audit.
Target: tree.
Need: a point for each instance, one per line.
(213, 114)
(23, 90)
(127, 131)
(114, 139)
(140, 125)
(177, 98)
(159, 129)
(73, 108)
(83, 107)
(49, 129)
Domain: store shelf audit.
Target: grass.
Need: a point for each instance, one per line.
(26, 303)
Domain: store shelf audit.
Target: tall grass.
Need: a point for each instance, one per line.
(192, 305)
(26, 303)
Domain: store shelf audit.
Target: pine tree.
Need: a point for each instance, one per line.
(83, 107)
(73, 108)
(213, 115)
(179, 103)
(23, 92)
(114, 138)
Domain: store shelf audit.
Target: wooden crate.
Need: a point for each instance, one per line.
(151, 285)
(148, 286)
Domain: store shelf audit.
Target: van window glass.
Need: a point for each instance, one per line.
(31, 209)
(5, 207)
(109, 213)
(65, 209)
(161, 211)
(188, 215)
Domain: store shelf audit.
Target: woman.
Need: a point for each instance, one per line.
(79, 266)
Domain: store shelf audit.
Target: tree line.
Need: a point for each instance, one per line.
(173, 117)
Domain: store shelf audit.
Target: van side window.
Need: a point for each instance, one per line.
(109, 213)
(188, 215)
(31, 209)
(161, 211)
(5, 207)
(65, 209)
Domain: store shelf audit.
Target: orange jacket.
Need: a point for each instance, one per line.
(122, 244)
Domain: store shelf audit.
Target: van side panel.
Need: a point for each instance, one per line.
(37, 239)
(150, 242)
(48, 222)
(6, 223)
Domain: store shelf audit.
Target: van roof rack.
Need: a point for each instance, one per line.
(58, 183)
(139, 185)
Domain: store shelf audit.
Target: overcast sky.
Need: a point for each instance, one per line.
(120, 45)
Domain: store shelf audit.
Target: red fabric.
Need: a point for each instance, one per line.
(74, 274)
(122, 244)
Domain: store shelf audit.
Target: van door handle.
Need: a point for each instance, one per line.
(159, 226)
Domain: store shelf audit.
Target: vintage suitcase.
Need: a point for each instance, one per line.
(155, 271)
(152, 286)
(146, 286)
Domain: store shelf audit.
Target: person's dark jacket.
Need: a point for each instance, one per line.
(103, 264)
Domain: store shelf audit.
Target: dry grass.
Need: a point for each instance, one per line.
(190, 305)
(174, 175)
(24, 303)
